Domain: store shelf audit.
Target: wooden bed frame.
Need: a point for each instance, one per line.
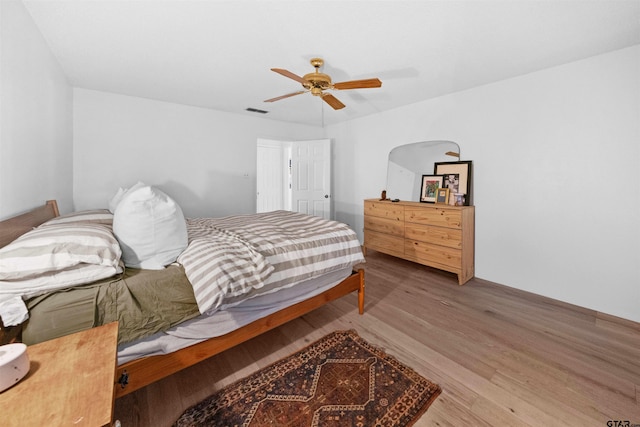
(138, 373)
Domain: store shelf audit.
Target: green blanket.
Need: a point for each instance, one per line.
(143, 302)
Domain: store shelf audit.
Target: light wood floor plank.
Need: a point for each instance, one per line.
(503, 357)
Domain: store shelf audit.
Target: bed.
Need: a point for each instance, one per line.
(191, 334)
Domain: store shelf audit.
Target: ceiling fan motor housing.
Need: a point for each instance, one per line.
(316, 82)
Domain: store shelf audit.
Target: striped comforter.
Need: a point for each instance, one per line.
(234, 258)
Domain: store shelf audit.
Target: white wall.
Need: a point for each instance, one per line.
(556, 156)
(556, 176)
(35, 118)
(205, 159)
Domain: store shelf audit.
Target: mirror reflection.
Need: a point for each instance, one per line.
(407, 163)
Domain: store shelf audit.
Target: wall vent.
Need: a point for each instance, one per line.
(256, 110)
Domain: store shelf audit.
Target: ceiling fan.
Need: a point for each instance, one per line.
(318, 82)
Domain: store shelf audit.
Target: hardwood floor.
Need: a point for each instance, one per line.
(503, 357)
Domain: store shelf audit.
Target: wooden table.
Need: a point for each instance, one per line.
(70, 382)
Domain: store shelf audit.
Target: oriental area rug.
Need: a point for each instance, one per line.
(340, 380)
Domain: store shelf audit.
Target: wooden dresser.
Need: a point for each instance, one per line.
(437, 235)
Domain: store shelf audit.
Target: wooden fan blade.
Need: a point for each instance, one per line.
(284, 96)
(358, 84)
(289, 74)
(333, 101)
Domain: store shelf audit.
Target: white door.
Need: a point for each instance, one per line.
(311, 177)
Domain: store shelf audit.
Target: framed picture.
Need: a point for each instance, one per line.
(463, 170)
(442, 195)
(452, 182)
(430, 186)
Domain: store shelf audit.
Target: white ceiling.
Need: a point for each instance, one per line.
(218, 54)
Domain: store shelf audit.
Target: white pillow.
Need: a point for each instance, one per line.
(117, 198)
(57, 256)
(94, 216)
(150, 227)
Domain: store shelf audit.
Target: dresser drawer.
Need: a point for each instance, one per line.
(426, 253)
(450, 237)
(381, 242)
(441, 217)
(384, 225)
(386, 209)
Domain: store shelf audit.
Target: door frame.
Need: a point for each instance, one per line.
(283, 170)
(286, 148)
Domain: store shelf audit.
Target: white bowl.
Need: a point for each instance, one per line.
(14, 364)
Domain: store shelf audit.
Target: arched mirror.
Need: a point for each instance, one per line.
(407, 163)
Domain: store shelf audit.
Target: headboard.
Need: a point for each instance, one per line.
(12, 228)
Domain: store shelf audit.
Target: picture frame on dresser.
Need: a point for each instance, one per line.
(452, 182)
(442, 197)
(429, 188)
(463, 169)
